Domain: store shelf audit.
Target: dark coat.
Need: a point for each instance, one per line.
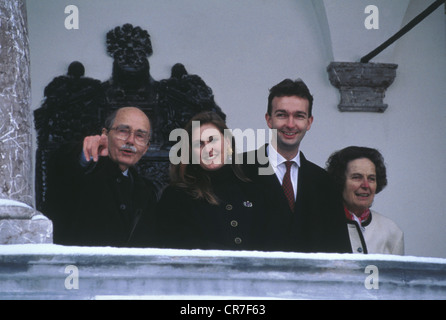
(95, 206)
(237, 223)
(317, 223)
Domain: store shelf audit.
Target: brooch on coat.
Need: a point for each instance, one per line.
(247, 204)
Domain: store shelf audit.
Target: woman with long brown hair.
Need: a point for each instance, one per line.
(210, 203)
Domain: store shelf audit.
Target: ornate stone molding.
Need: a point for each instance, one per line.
(362, 85)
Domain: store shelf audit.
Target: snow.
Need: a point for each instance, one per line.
(52, 249)
(13, 203)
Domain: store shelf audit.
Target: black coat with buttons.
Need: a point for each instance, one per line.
(237, 223)
(96, 206)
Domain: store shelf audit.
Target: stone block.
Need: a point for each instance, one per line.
(39, 229)
(362, 86)
(21, 224)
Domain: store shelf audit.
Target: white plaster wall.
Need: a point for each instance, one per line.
(242, 48)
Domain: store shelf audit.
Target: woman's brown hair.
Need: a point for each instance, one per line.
(191, 177)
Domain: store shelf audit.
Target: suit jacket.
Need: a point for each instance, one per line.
(95, 206)
(317, 223)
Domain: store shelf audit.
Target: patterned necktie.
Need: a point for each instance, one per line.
(288, 186)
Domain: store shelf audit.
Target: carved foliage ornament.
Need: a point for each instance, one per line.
(129, 46)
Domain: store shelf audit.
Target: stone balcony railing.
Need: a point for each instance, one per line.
(45, 271)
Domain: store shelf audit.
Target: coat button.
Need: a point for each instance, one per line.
(122, 207)
(234, 223)
(359, 250)
(238, 240)
(229, 207)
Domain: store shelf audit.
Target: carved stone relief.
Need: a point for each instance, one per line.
(76, 106)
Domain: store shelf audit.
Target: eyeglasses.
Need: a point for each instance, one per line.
(142, 137)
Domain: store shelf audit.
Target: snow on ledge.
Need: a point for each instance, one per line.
(52, 249)
(13, 203)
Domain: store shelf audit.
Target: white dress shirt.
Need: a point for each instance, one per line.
(278, 164)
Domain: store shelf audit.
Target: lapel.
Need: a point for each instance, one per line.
(140, 191)
(269, 178)
(265, 170)
(301, 184)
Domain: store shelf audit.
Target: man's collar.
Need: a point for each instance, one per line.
(277, 159)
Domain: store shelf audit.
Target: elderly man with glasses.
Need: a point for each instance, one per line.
(96, 197)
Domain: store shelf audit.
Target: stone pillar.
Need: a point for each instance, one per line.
(362, 85)
(19, 222)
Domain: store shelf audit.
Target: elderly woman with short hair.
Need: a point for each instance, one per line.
(360, 173)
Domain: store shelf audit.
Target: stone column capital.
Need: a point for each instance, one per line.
(362, 85)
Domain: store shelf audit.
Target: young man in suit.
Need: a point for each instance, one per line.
(307, 213)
